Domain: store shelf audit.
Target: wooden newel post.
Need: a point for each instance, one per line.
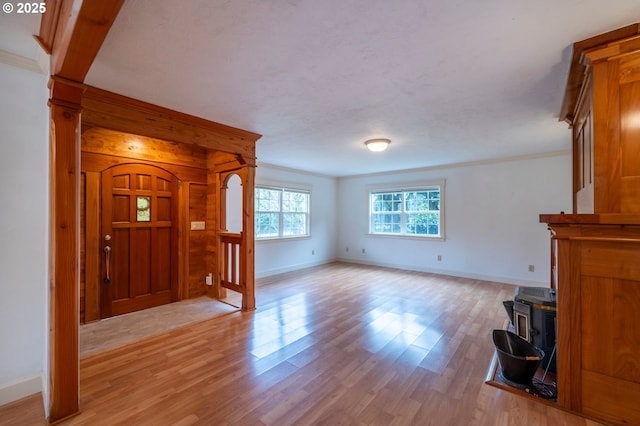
(64, 164)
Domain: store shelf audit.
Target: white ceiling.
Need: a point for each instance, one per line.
(448, 81)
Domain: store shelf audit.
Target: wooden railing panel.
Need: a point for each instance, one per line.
(231, 272)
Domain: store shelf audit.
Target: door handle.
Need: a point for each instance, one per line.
(107, 258)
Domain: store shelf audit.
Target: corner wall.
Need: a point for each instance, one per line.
(283, 255)
(491, 220)
(24, 217)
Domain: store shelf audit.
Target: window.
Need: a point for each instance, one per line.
(143, 211)
(281, 212)
(407, 212)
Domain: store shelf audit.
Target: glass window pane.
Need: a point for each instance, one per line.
(280, 212)
(294, 224)
(416, 201)
(406, 212)
(143, 208)
(387, 202)
(267, 225)
(295, 201)
(386, 223)
(267, 200)
(423, 223)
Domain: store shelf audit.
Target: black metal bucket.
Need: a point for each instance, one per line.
(518, 358)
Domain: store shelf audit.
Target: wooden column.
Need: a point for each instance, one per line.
(248, 237)
(64, 246)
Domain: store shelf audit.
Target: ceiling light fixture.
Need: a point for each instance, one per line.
(377, 145)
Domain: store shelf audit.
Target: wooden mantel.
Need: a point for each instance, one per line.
(591, 219)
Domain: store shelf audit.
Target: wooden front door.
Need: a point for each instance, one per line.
(140, 238)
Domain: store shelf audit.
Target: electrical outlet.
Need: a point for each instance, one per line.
(208, 280)
(439, 258)
(363, 251)
(532, 268)
(313, 252)
(347, 249)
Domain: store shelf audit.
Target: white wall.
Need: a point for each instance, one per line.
(283, 255)
(234, 204)
(491, 220)
(24, 215)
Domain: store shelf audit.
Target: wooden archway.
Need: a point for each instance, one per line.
(236, 250)
(72, 32)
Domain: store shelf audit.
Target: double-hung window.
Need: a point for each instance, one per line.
(416, 211)
(281, 212)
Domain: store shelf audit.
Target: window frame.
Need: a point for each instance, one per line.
(282, 188)
(403, 189)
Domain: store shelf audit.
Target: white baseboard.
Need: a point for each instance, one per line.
(264, 274)
(19, 389)
(473, 276)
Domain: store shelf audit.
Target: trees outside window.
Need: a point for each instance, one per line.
(281, 212)
(414, 212)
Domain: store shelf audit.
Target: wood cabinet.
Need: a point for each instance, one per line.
(602, 105)
(596, 250)
(598, 311)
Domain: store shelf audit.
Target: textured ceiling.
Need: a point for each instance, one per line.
(448, 81)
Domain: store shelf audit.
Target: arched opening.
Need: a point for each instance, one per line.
(233, 213)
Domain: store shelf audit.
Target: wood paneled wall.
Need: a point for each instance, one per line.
(198, 240)
(103, 148)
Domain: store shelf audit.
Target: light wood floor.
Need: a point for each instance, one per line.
(334, 345)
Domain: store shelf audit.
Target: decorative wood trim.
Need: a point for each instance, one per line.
(117, 112)
(183, 240)
(99, 162)
(130, 146)
(93, 247)
(597, 219)
(612, 50)
(214, 197)
(577, 68)
(571, 304)
(49, 25)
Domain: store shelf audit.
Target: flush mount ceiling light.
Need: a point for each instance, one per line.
(377, 145)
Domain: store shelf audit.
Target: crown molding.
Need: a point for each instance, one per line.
(38, 66)
(293, 170)
(564, 152)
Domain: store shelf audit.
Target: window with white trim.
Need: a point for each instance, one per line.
(415, 212)
(281, 212)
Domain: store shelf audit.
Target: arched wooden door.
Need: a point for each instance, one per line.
(140, 238)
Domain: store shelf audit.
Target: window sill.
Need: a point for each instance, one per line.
(275, 239)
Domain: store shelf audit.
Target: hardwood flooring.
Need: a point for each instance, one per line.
(340, 344)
